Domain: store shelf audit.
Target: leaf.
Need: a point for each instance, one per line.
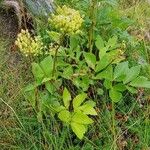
(115, 95)
(68, 72)
(77, 101)
(37, 72)
(106, 74)
(50, 87)
(55, 36)
(73, 42)
(102, 52)
(66, 98)
(120, 69)
(88, 109)
(132, 89)
(132, 74)
(104, 62)
(108, 59)
(30, 87)
(107, 84)
(90, 59)
(78, 129)
(64, 116)
(47, 66)
(140, 82)
(119, 87)
(81, 118)
(99, 42)
(112, 41)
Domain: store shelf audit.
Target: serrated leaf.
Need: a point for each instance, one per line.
(115, 95)
(78, 100)
(47, 66)
(78, 129)
(81, 118)
(64, 116)
(66, 98)
(140, 82)
(37, 72)
(90, 59)
(120, 69)
(132, 74)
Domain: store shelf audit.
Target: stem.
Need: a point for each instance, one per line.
(93, 10)
(55, 59)
(113, 125)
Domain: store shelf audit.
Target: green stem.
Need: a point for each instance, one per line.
(55, 59)
(113, 125)
(93, 9)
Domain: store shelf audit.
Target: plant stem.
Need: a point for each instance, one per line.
(113, 125)
(55, 59)
(93, 9)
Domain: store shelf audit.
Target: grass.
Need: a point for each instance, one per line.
(19, 128)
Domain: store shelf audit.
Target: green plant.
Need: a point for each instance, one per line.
(100, 72)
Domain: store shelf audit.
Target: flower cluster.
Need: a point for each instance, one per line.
(29, 45)
(66, 20)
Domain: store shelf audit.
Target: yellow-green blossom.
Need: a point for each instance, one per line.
(29, 45)
(66, 20)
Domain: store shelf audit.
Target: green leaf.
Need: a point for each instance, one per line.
(121, 69)
(81, 118)
(99, 42)
(140, 82)
(73, 42)
(107, 84)
(119, 87)
(106, 74)
(37, 72)
(112, 41)
(115, 95)
(88, 109)
(47, 66)
(108, 59)
(68, 72)
(78, 129)
(55, 36)
(30, 87)
(132, 74)
(132, 89)
(104, 62)
(90, 59)
(50, 87)
(102, 52)
(77, 101)
(66, 98)
(64, 116)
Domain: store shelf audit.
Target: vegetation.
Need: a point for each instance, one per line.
(80, 80)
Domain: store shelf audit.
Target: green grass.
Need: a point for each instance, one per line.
(19, 128)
